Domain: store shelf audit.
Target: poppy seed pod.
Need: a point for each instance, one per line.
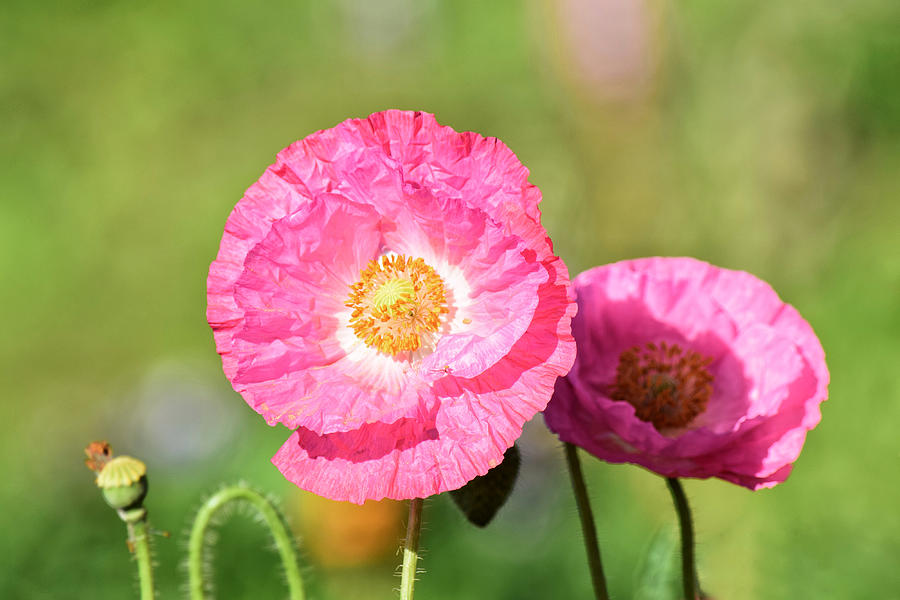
(123, 482)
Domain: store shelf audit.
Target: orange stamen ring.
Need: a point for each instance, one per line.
(397, 303)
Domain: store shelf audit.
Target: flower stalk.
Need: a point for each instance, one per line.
(690, 582)
(123, 484)
(588, 528)
(139, 540)
(411, 549)
(273, 520)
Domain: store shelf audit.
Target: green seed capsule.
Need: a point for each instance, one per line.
(123, 482)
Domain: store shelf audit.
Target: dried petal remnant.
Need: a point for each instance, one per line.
(98, 453)
(667, 386)
(397, 302)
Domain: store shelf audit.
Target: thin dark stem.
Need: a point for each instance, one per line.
(587, 522)
(688, 567)
(411, 549)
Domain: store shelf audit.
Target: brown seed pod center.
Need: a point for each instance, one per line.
(667, 386)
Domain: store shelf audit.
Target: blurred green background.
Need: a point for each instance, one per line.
(757, 136)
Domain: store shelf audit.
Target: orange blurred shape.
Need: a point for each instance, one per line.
(340, 534)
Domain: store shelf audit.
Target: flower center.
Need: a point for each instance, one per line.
(397, 304)
(667, 386)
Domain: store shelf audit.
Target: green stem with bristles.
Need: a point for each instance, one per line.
(588, 528)
(139, 536)
(274, 521)
(690, 582)
(411, 549)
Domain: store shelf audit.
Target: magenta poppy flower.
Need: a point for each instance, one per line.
(386, 290)
(690, 371)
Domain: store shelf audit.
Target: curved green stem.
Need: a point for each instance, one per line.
(411, 549)
(139, 537)
(588, 528)
(691, 584)
(274, 521)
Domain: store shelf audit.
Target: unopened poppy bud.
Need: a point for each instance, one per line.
(481, 498)
(123, 482)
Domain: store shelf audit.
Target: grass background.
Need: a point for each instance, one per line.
(762, 137)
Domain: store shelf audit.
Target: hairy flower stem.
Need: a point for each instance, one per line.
(588, 529)
(139, 537)
(274, 521)
(688, 567)
(411, 549)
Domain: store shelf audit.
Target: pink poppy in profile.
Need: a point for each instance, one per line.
(690, 371)
(387, 291)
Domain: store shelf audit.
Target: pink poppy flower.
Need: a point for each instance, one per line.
(690, 371)
(386, 289)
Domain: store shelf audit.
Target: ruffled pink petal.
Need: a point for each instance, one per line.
(484, 172)
(266, 201)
